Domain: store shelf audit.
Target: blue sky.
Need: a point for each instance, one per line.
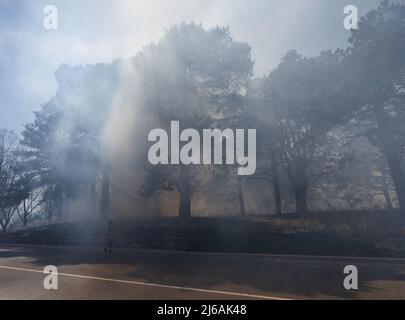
(92, 31)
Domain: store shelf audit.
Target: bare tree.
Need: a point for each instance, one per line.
(11, 190)
(30, 205)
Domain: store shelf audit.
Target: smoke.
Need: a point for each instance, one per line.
(94, 31)
(112, 32)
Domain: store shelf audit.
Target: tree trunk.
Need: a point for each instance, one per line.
(25, 214)
(50, 203)
(391, 154)
(385, 188)
(64, 209)
(398, 176)
(276, 181)
(301, 205)
(93, 197)
(185, 193)
(185, 204)
(105, 194)
(241, 199)
(388, 199)
(50, 207)
(300, 186)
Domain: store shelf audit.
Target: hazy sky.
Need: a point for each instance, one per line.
(93, 31)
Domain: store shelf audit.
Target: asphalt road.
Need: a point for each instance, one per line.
(88, 273)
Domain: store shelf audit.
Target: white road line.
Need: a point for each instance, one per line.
(230, 293)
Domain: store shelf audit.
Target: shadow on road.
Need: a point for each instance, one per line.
(309, 277)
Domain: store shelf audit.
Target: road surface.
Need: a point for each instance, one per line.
(88, 273)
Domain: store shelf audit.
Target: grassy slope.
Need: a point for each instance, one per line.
(374, 234)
